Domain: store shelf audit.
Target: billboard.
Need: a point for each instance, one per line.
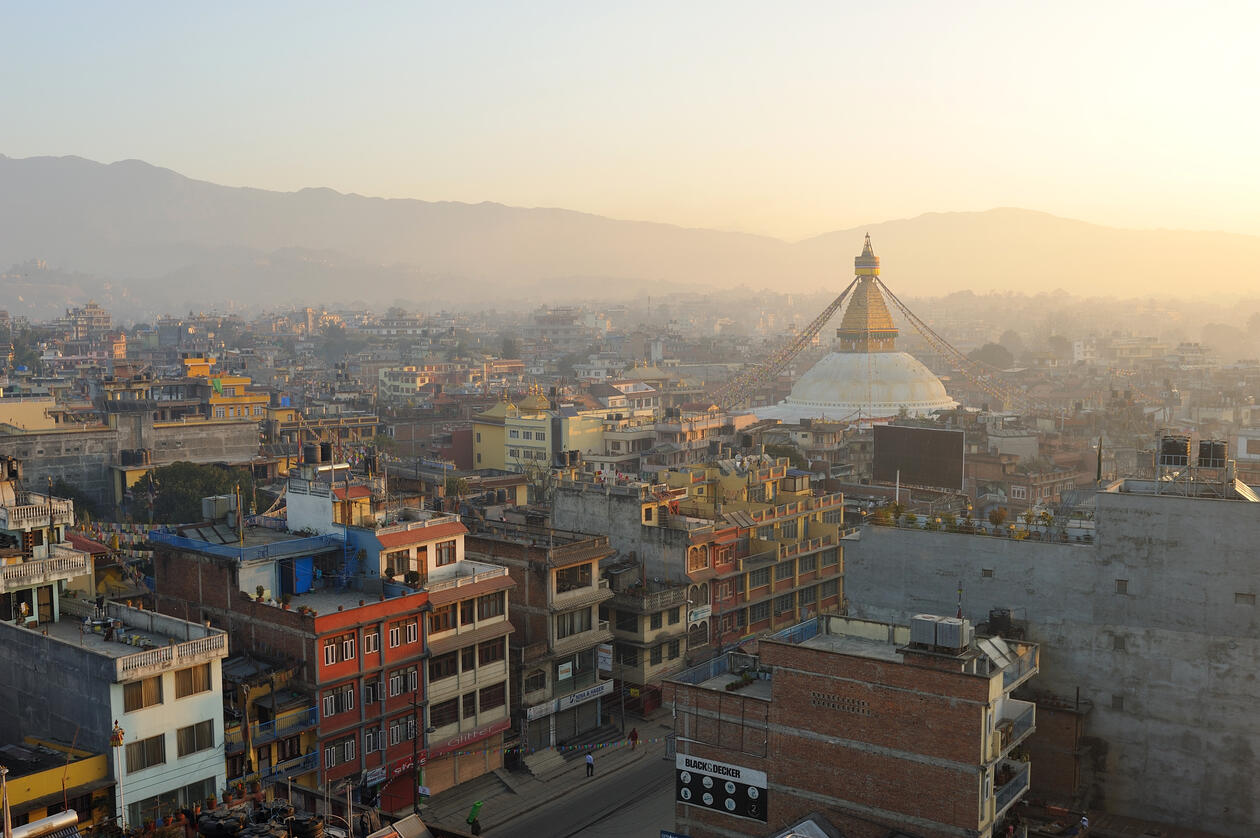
(922, 456)
(721, 787)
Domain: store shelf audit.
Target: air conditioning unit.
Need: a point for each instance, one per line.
(923, 629)
(952, 633)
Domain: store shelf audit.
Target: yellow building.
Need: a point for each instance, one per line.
(270, 729)
(227, 396)
(489, 436)
(47, 777)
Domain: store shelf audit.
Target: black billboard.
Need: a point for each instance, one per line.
(921, 456)
(722, 787)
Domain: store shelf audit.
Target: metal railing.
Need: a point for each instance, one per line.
(260, 732)
(310, 544)
(703, 672)
(1025, 663)
(1011, 791)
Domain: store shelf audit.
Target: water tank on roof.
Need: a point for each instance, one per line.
(1212, 453)
(923, 629)
(1174, 450)
(325, 452)
(952, 633)
(310, 453)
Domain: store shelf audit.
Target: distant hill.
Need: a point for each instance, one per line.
(161, 237)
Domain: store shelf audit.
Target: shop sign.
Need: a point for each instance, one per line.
(695, 615)
(471, 736)
(603, 654)
(375, 776)
(721, 787)
(583, 696)
(540, 710)
(565, 670)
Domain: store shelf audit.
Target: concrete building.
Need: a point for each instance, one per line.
(46, 777)
(559, 688)
(156, 677)
(1152, 628)
(882, 729)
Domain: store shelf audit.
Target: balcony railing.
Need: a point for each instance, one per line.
(581, 595)
(1019, 669)
(470, 579)
(187, 653)
(598, 633)
(649, 603)
(288, 768)
(32, 510)
(260, 732)
(67, 565)
(1012, 789)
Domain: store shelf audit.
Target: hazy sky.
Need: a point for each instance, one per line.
(782, 118)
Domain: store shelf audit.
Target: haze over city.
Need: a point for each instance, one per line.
(597, 420)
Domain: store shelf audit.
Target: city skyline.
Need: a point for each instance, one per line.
(787, 124)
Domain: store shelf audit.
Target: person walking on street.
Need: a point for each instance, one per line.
(590, 764)
(634, 737)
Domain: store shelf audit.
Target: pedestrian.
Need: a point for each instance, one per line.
(590, 764)
(634, 737)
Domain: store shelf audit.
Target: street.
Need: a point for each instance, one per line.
(637, 800)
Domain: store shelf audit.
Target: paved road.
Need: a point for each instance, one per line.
(635, 801)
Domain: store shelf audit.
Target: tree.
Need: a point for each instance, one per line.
(791, 453)
(1060, 347)
(510, 348)
(997, 517)
(1013, 342)
(994, 355)
(84, 507)
(384, 443)
(180, 487)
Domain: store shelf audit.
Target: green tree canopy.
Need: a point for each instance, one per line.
(993, 354)
(181, 486)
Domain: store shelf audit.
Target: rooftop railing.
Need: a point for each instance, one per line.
(288, 547)
(67, 565)
(141, 664)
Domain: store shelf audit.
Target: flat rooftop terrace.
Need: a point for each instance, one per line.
(862, 647)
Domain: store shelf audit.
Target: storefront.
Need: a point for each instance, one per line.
(559, 720)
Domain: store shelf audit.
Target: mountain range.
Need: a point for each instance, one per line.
(129, 231)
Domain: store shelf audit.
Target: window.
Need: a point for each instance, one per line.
(442, 619)
(986, 572)
(627, 655)
(467, 612)
(330, 653)
(573, 622)
(372, 740)
(491, 605)
(808, 564)
(514, 434)
(443, 666)
(404, 680)
(573, 578)
(412, 630)
(347, 648)
(492, 696)
(656, 620)
(140, 694)
(675, 614)
(536, 680)
(194, 679)
(809, 595)
(527, 435)
(658, 653)
(759, 578)
(470, 705)
(446, 713)
(697, 559)
(766, 533)
(198, 737)
(1244, 599)
(627, 621)
(830, 588)
(371, 642)
(788, 529)
(1122, 586)
(759, 612)
(146, 752)
(784, 570)
(479, 436)
(339, 700)
(514, 453)
(445, 553)
(673, 649)
(219, 412)
(831, 557)
(395, 635)
(647, 514)
(371, 692)
(339, 752)
(1118, 643)
(493, 650)
(784, 604)
(1019, 493)
(1117, 702)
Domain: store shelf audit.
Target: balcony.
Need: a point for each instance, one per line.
(1018, 721)
(263, 732)
(175, 656)
(467, 572)
(650, 603)
(32, 510)
(275, 773)
(1016, 776)
(64, 564)
(599, 633)
(1021, 669)
(581, 596)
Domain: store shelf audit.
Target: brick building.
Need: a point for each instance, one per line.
(559, 690)
(866, 723)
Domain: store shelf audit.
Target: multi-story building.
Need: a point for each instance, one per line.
(141, 686)
(1163, 619)
(882, 729)
(46, 777)
(559, 690)
(37, 562)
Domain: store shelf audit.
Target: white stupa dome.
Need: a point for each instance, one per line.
(866, 380)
